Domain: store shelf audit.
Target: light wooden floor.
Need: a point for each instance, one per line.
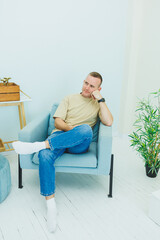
(85, 211)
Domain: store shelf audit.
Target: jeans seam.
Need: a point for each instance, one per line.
(50, 144)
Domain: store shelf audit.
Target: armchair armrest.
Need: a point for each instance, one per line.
(36, 130)
(104, 149)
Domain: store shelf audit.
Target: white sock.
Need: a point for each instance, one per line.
(28, 148)
(51, 215)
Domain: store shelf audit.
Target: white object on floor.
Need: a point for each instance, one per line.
(154, 207)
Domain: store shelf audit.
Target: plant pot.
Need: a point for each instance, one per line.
(10, 92)
(149, 172)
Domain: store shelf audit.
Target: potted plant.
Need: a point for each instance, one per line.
(146, 138)
(5, 81)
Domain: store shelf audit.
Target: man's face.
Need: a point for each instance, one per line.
(90, 84)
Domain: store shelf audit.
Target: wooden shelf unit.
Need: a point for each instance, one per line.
(6, 146)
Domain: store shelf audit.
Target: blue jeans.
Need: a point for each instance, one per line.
(74, 141)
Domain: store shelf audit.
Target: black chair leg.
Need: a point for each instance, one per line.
(19, 174)
(111, 177)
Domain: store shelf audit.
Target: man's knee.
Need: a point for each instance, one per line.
(86, 130)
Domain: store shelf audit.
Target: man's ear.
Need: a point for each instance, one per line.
(99, 88)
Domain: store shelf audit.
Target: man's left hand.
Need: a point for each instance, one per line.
(96, 95)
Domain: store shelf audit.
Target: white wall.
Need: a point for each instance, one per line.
(142, 59)
(48, 48)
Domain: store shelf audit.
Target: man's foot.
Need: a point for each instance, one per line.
(28, 148)
(51, 215)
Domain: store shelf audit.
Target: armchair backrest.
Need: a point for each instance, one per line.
(51, 124)
(51, 119)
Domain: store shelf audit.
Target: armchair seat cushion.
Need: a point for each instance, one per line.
(88, 159)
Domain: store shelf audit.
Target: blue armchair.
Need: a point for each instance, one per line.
(97, 161)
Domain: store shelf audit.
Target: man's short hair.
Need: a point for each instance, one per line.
(96, 75)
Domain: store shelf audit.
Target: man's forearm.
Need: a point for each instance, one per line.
(106, 116)
(61, 125)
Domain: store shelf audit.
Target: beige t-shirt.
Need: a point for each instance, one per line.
(76, 110)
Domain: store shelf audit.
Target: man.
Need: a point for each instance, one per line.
(74, 119)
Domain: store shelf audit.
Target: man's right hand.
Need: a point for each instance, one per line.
(61, 125)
